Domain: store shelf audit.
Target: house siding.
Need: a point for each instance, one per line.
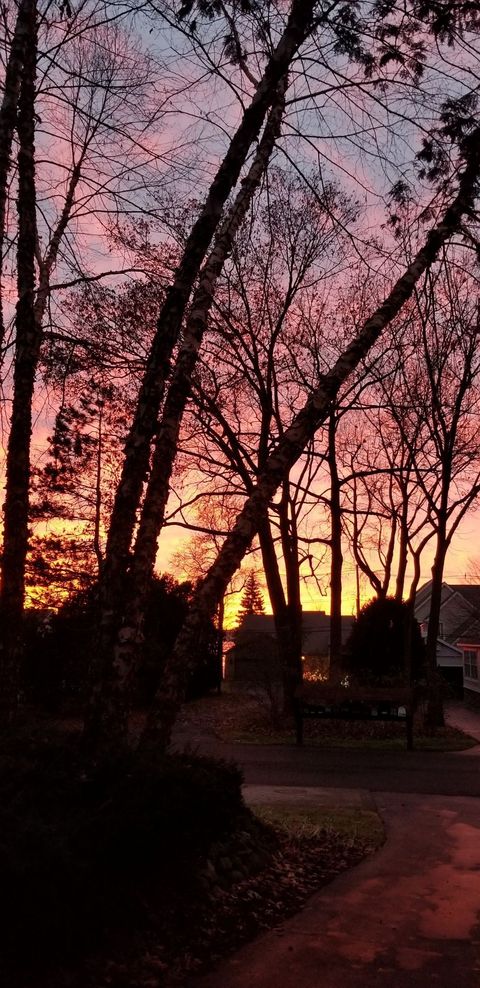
(471, 650)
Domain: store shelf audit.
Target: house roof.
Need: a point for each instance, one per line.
(315, 629)
(312, 621)
(470, 635)
(468, 627)
(470, 592)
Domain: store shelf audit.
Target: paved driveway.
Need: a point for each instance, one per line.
(408, 917)
(405, 918)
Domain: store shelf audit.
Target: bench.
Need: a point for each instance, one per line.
(320, 701)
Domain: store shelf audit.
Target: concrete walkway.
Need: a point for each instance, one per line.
(312, 796)
(406, 918)
(465, 718)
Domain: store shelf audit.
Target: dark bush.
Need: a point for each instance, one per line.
(376, 651)
(81, 848)
(59, 647)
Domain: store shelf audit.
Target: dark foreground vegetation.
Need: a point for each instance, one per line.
(137, 867)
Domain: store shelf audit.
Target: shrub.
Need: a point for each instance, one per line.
(79, 849)
(58, 647)
(375, 650)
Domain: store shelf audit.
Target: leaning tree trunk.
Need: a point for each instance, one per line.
(290, 447)
(15, 532)
(8, 118)
(145, 422)
(108, 711)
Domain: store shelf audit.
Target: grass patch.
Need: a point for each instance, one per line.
(450, 739)
(302, 821)
(243, 718)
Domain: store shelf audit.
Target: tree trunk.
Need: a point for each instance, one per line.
(220, 637)
(8, 118)
(387, 572)
(15, 534)
(111, 698)
(434, 714)
(144, 426)
(403, 548)
(289, 449)
(283, 617)
(335, 668)
(293, 671)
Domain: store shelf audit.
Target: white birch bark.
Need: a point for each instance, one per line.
(111, 705)
(138, 446)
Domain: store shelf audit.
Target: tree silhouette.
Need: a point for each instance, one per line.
(376, 646)
(252, 597)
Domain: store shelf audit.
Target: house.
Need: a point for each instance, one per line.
(458, 645)
(254, 656)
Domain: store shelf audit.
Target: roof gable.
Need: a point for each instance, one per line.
(470, 592)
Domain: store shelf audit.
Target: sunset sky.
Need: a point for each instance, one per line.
(161, 160)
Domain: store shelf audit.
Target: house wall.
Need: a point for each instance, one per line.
(449, 656)
(471, 665)
(454, 611)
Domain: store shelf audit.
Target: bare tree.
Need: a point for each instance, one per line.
(303, 427)
(92, 104)
(8, 116)
(15, 536)
(107, 712)
(446, 397)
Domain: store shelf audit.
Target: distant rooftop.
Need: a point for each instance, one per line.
(470, 591)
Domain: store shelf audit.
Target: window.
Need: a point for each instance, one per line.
(470, 663)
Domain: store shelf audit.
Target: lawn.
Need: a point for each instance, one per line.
(246, 718)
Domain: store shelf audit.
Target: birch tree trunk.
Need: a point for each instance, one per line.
(15, 535)
(107, 714)
(162, 716)
(8, 119)
(108, 663)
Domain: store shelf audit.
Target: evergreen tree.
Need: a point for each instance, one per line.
(252, 598)
(376, 646)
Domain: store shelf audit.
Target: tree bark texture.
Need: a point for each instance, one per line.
(8, 119)
(290, 447)
(108, 667)
(111, 700)
(15, 535)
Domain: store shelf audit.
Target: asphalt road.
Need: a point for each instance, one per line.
(440, 773)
